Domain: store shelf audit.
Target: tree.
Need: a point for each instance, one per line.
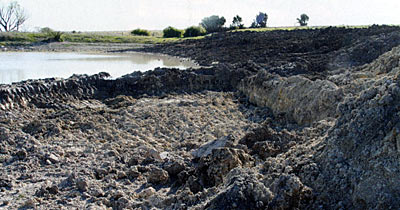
(303, 20)
(237, 22)
(213, 23)
(253, 24)
(261, 20)
(12, 17)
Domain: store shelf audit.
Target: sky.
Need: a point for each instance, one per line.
(121, 15)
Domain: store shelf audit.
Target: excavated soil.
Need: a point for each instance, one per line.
(303, 119)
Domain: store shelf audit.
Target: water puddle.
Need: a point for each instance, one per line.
(19, 66)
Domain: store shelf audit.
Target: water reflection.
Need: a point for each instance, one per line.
(14, 75)
(17, 66)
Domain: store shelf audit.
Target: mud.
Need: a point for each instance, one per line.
(302, 119)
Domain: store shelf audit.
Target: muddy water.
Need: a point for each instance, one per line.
(18, 66)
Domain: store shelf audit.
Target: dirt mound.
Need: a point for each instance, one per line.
(311, 122)
(309, 52)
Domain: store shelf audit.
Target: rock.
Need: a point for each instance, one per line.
(122, 203)
(174, 167)
(215, 166)
(289, 192)
(6, 183)
(101, 173)
(152, 153)
(53, 159)
(47, 190)
(3, 149)
(146, 193)
(96, 191)
(157, 175)
(133, 172)
(81, 184)
(134, 161)
(30, 203)
(243, 191)
(53, 190)
(206, 149)
(96, 207)
(165, 155)
(21, 154)
(267, 141)
(121, 175)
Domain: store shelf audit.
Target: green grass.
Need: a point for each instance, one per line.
(289, 28)
(8, 38)
(20, 38)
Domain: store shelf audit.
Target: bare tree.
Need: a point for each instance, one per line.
(12, 17)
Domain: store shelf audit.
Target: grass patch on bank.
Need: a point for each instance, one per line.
(26, 38)
(94, 38)
(290, 28)
(8, 38)
(21, 37)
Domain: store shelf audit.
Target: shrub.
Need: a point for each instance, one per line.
(56, 36)
(46, 30)
(194, 31)
(172, 32)
(140, 32)
(52, 36)
(236, 23)
(213, 23)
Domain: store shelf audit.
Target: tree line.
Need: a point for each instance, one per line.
(13, 16)
(215, 23)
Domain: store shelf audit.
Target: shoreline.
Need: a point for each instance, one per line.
(73, 47)
(81, 47)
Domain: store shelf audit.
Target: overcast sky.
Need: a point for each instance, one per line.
(108, 15)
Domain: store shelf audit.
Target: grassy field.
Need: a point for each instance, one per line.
(16, 38)
(289, 28)
(7, 38)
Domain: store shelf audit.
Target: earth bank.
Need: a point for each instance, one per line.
(278, 120)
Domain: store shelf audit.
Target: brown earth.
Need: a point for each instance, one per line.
(305, 119)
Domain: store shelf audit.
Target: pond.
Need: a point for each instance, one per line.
(19, 66)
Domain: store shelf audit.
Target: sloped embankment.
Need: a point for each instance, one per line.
(316, 129)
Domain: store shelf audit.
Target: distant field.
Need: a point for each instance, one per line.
(289, 28)
(88, 37)
(155, 33)
(10, 38)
